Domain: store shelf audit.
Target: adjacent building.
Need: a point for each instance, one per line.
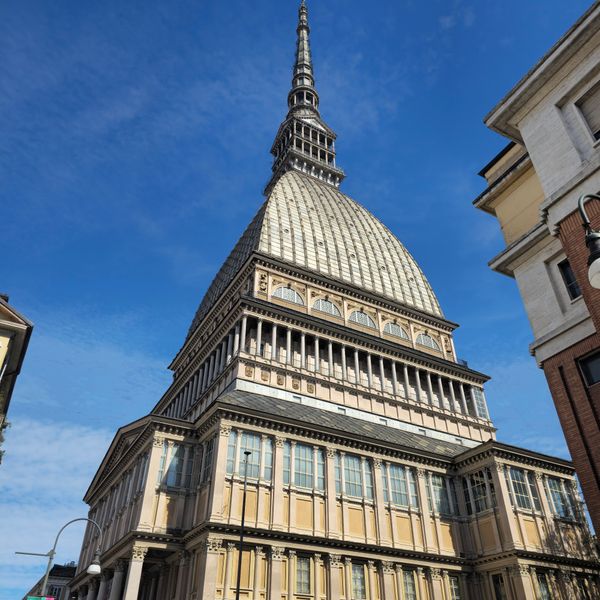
(552, 119)
(374, 469)
(15, 331)
(58, 583)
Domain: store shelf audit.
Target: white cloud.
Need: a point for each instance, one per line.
(47, 468)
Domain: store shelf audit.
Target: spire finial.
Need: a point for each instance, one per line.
(304, 142)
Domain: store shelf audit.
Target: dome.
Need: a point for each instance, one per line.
(312, 225)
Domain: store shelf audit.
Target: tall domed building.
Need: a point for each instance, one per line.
(320, 353)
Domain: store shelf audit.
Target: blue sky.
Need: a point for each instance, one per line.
(134, 142)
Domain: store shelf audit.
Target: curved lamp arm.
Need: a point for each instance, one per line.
(51, 554)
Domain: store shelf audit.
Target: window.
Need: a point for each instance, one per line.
(543, 586)
(289, 294)
(410, 592)
(454, 588)
(207, 461)
(55, 591)
(362, 318)
(395, 330)
(426, 340)
(357, 476)
(561, 498)
(175, 466)
(590, 367)
(520, 487)
(260, 460)
(534, 492)
(499, 589)
(479, 400)
(327, 306)
(175, 469)
(359, 590)
(303, 575)
(478, 489)
(304, 474)
(437, 494)
(589, 106)
(569, 278)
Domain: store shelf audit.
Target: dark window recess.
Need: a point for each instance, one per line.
(569, 278)
(589, 106)
(590, 367)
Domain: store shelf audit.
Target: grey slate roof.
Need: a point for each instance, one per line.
(315, 417)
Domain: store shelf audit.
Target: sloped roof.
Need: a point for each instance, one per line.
(312, 225)
(292, 411)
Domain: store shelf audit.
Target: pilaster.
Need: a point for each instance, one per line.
(134, 573)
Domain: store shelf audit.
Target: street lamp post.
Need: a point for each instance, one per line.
(241, 545)
(592, 241)
(93, 568)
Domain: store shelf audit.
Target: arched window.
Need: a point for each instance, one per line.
(327, 306)
(396, 330)
(362, 318)
(426, 340)
(289, 294)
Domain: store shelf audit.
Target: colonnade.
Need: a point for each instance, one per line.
(323, 356)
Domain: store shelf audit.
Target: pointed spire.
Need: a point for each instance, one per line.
(304, 142)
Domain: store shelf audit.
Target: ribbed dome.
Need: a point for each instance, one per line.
(313, 225)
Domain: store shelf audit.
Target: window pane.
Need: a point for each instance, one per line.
(362, 318)
(396, 330)
(359, 591)
(533, 490)
(303, 575)
(427, 341)
(231, 452)
(398, 484)
(303, 469)
(454, 588)
(479, 399)
(288, 294)
(320, 470)
(410, 592)
(251, 442)
(520, 487)
(327, 307)
(353, 476)
(268, 453)
(439, 492)
(543, 585)
(286, 463)
(590, 368)
(569, 278)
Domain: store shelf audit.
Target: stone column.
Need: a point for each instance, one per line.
(506, 513)
(344, 366)
(464, 587)
(230, 549)
(331, 370)
(348, 576)
(382, 373)
(291, 573)
(229, 348)
(208, 573)
(406, 381)
(418, 380)
(455, 405)
(236, 339)
(275, 579)
(437, 588)
(102, 587)
(303, 350)
(134, 573)
(225, 350)
(356, 367)
(277, 501)
(394, 379)
(425, 514)
(258, 558)
(429, 387)
(153, 586)
(92, 592)
(317, 356)
(522, 582)
(332, 524)
(335, 583)
(258, 337)
(372, 572)
(218, 473)
(399, 583)
(243, 334)
(182, 575)
(421, 591)
(379, 501)
(288, 346)
(369, 371)
(463, 398)
(441, 392)
(318, 563)
(274, 342)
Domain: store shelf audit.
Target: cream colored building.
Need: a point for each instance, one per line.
(374, 472)
(15, 331)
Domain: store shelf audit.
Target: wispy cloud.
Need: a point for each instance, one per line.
(46, 470)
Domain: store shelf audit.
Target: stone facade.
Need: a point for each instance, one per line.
(374, 471)
(534, 185)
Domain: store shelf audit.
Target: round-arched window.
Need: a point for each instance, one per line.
(289, 294)
(426, 340)
(362, 318)
(395, 330)
(327, 306)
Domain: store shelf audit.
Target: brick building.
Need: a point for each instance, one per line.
(552, 119)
